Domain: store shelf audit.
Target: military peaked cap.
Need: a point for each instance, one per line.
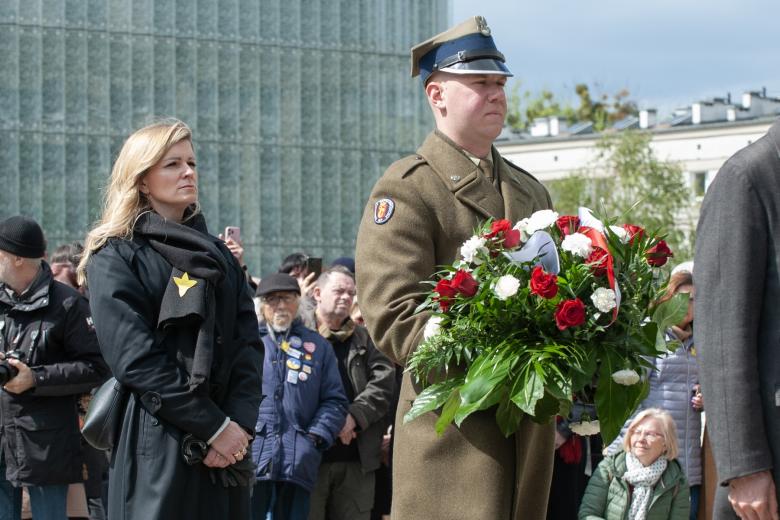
(467, 48)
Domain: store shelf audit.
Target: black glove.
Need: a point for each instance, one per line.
(193, 449)
(240, 474)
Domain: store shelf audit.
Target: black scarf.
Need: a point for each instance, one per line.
(194, 256)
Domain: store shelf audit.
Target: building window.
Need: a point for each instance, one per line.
(699, 183)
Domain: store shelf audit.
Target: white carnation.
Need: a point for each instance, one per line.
(471, 248)
(506, 286)
(585, 427)
(541, 219)
(577, 244)
(433, 327)
(621, 233)
(604, 299)
(626, 377)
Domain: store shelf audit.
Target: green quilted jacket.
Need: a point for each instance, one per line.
(607, 496)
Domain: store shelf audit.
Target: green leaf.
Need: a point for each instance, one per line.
(671, 312)
(448, 412)
(508, 416)
(546, 408)
(649, 346)
(614, 402)
(531, 390)
(489, 400)
(432, 398)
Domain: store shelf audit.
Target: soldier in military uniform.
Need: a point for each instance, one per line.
(420, 212)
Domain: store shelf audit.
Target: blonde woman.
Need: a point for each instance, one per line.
(644, 481)
(176, 324)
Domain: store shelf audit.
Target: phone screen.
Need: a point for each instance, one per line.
(314, 265)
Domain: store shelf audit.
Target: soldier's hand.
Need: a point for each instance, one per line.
(22, 381)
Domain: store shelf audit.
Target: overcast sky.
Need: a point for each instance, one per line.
(667, 53)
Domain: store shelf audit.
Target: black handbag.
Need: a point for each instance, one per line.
(103, 421)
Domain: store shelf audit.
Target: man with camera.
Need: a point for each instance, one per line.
(50, 355)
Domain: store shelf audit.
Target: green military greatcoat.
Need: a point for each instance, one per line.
(420, 212)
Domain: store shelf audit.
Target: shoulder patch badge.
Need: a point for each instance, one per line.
(383, 210)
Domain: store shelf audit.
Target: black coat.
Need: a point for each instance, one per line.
(40, 436)
(148, 478)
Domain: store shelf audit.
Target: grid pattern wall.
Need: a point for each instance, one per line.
(297, 106)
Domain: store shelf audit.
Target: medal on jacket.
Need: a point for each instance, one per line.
(184, 284)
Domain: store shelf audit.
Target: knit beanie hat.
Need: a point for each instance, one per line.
(22, 236)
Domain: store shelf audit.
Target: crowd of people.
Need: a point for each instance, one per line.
(268, 398)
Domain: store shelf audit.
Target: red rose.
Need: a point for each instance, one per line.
(446, 293)
(503, 227)
(597, 261)
(570, 313)
(659, 254)
(568, 224)
(543, 284)
(511, 238)
(464, 283)
(498, 226)
(633, 231)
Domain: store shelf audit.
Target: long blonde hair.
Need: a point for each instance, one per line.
(124, 201)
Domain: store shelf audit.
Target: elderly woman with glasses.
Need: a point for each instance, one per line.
(644, 481)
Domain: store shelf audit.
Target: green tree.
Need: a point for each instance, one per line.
(524, 107)
(628, 181)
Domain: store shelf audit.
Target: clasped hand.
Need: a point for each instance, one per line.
(230, 446)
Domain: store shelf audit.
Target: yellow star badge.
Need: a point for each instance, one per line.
(184, 284)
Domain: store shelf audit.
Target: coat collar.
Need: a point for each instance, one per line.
(35, 297)
(466, 182)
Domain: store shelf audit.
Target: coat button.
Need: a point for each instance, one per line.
(155, 421)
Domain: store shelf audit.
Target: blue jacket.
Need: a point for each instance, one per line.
(303, 395)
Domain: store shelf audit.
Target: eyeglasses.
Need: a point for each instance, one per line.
(651, 435)
(276, 299)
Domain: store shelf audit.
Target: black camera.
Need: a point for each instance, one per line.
(8, 372)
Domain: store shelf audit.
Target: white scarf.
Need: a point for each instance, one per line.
(643, 478)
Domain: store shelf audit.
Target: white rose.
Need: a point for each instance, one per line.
(577, 244)
(471, 248)
(541, 219)
(621, 233)
(626, 377)
(585, 427)
(506, 286)
(604, 299)
(433, 327)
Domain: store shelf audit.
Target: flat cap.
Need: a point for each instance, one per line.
(277, 282)
(467, 48)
